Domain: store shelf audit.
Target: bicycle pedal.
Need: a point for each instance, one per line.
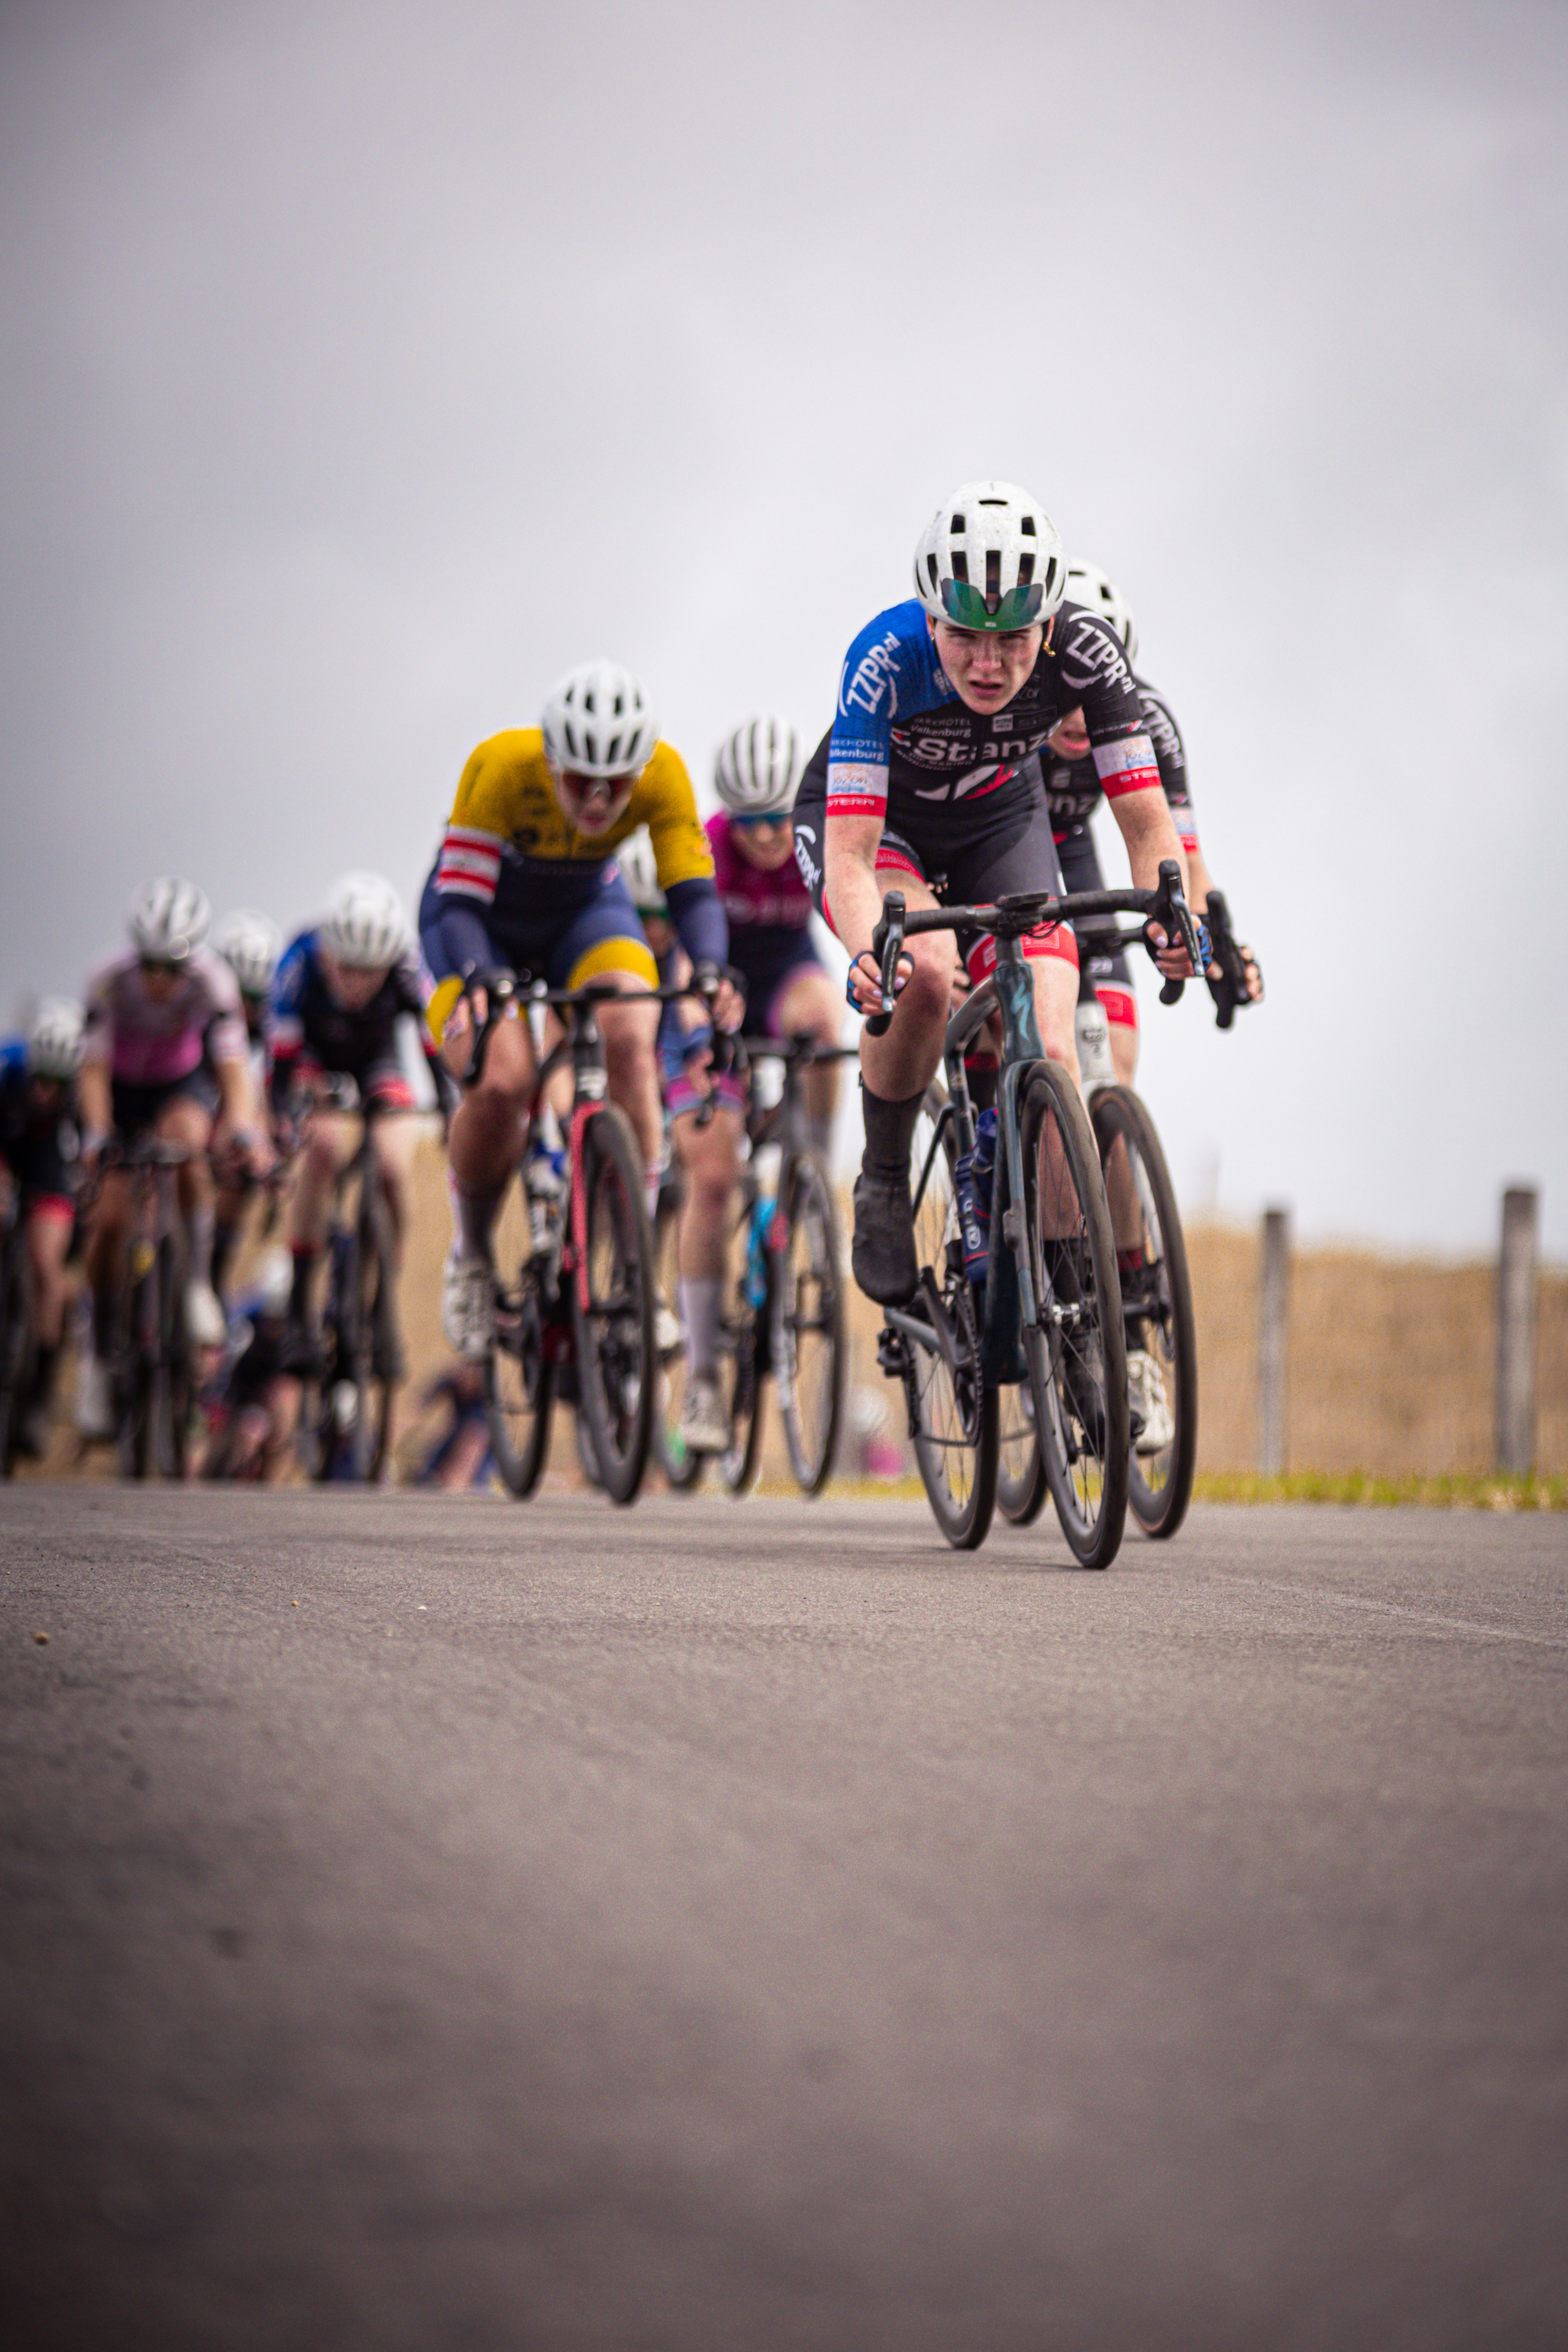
(891, 1355)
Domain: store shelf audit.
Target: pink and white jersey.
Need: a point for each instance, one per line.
(776, 901)
(147, 1041)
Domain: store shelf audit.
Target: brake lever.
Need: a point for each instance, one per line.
(888, 942)
(1173, 912)
(1229, 991)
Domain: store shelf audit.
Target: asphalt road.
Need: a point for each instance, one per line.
(437, 1921)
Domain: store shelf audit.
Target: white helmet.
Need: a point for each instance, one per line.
(250, 944)
(990, 559)
(597, 722)
(759, 767)
(169, 919)
(1088, 585)
(639, 871)
(55, 1039)
(365, 925)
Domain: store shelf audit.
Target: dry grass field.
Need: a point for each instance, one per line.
(1391, 1364)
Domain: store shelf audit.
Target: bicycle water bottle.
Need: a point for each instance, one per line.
(1095, 1067)
(975, 1239)
(983, 1170)
(756, 1279)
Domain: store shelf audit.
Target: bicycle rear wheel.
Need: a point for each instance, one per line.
(809, 1351)
(1156, 1308)
(372, 1343)
(953, 1409)
(173, 1378)
(133, 1352)
(612, 1304)
(1075, 1353)
(742, 1360)
(1021, 1484)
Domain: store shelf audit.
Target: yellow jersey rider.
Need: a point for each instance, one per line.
(526, 878)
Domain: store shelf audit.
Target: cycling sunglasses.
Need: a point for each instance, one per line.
(967, 608)
(763, 820)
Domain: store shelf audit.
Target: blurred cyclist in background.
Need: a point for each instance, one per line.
(250, 944)
(38, 1170)
(166, 1052)
(340, 990)
(789, 991)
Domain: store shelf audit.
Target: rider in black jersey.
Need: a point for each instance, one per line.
(1073, 792)
(927, 778)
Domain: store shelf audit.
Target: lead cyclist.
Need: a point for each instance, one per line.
(927, 781)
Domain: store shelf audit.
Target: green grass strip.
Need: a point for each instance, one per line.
(1467, 1491)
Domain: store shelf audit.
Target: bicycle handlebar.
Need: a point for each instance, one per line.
(1020, 912)
(1229, 991)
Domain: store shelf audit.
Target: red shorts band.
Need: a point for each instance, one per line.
(1119, 1005)
(390, 1088)
(1055, 939)
(57, 1208)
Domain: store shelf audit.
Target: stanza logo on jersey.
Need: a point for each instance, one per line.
(950, 740)
(874, 676)
(805, 855)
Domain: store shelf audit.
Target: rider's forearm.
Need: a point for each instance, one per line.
(237, 1096)
(1200, 882)
(698, 913)
(94, 1097)
(851, 889)
(1150, 835)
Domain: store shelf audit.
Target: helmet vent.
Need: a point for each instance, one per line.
(993, 573)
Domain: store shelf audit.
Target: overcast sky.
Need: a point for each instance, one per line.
(365, 366)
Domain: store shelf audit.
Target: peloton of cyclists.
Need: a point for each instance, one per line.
(340, 990)
(38, 1170)
(527, 879)
(926, 780)
(164, 1051)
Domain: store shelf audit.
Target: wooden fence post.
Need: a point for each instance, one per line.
(1274, 1291)
(1516, 1330)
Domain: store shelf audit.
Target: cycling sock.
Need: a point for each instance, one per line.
(889, 1131)
(201, 1244)
(702, 1312)
(473, 1214)
(1130, 1261)
(651, 1179)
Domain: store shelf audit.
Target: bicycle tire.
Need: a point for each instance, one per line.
(740, 1368)
(1075, 1353)
(374, 1334)
(617, 1366)
(681, 1468)
(1021, 1484)
(133, 1381)
(954, 1410)
(520, 1379)
(807, 1302)
(1156, 1299)
(15, 1348)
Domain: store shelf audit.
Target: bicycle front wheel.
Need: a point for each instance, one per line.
(612, 1304)
(680, 1466)
(808, 1350)
(954, 1410)
(173, 1382)
(1156, 1310)
(1075, 1353)
(1021, 1485)
(14, 1351)
(373, 1346)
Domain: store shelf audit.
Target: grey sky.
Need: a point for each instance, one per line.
(365, 366)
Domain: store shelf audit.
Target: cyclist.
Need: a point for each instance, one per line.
(706, 1109)
(526, 878)
(250, 944)
(926, 780)
(1073, 790)
(257, 1407)
(341, 988)
(789, 991)
(37, 1163)
(164, 1051)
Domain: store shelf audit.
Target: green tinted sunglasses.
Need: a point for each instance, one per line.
(966, 608)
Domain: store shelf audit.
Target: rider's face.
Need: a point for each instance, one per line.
(765, 842)
(353, 987)
(986, 668)
(1068, 739)
(592, 803)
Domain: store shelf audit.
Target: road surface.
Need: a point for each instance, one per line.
(436, 1922)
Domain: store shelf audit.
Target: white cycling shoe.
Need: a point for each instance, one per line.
(94, 1400)
(468, 1308)
(205, 1322)
(704, 1424)
(1146, 1395)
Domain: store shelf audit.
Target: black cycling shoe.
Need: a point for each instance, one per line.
(882, 1257)
(1085, 1402)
